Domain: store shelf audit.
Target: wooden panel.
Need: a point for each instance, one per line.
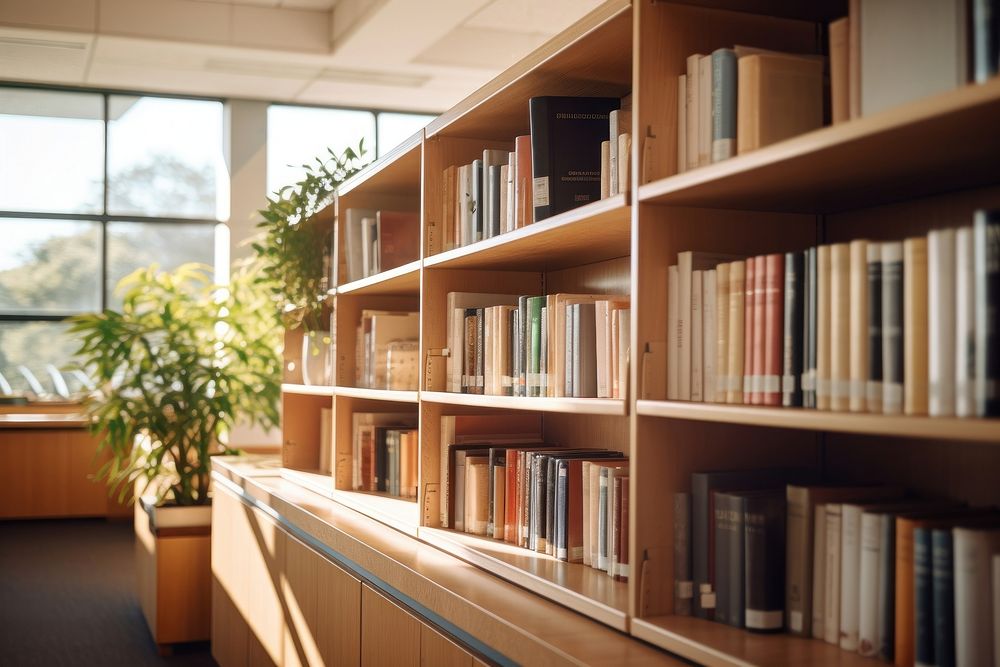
(230, 632)
(436, 650)
(608, 277)
(265, 607)
(183, 589)
(390, 636)
(300, 429)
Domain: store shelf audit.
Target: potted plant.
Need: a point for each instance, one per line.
(295, 254)
(175, 368)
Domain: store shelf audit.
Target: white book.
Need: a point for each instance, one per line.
(973, 562)
(850, 569)
(868, 584)
(941, 312)
(709, 324)
(613, 157)
(465, 218)
(682, 123)
(457, 303)
(965, 324)
(819, 572)
(491, 157)
(705, 110)
(697, 334)
(687, 263)
(673, 342)
(692, 102)
(831, 611)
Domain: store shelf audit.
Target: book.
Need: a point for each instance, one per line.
(682, 109)
(721, 342)
(823, 327)
(353, 241)
(730, 555)
(749, 331)
(398, 238)
(523, 187)
(774, 329)
(605, 169)
(709, 336)
(441, 236)
(974, 549)
(831, 584)
(873, 386)
(985, 39)
(492, 159)
(965, 323)
(840, 326)
(566, 136)
(457, 305)
(466, 206)
(858, 327)
(723, 104)
(735, 343)
(480, 180)
(673, 338)
(759, 330)
(505, 181)
(868, 584)
(931, 40)
(893, 366)
(697, 335)
(840, 106)
(613, 157)
(693, 112)
(687, 263)
(476, 494)
(705, 110)
(941, 322)
(624, 162)
(584, 351)
(986, 235)
(809, 330)
(915, 351)
(778, 96)
(943, 594)
(683, 588)
(509, 213)
(623, 571)
(818, 621)
(764, 549)
(325, 439)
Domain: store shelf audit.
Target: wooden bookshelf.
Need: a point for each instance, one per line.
(581, 406)
(403, 279)
(307, 389)
(389, 395)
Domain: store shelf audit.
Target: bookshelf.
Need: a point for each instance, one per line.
(899, 173)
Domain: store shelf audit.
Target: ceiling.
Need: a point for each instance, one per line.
(420, 55)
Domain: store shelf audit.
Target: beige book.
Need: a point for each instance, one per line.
(854, 58)
(823, 313)
(556, 314)
(819, 572)
(840, 105)
(444, 236)
(624, 162)
(682, 123)
(840, 331)
(858, 389)
(605, 169)
(499, 496)
(693, 112)
(915, 326)
(734, 362)
(831, 608)
(477, 488)
(673, 322)
(705, 110)
(504, 185)
(722, 285)
(778, 96)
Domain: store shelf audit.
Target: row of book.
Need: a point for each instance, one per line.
(555, 168)
(573, 345)
(898, 327)
(571, 504)
(942, 43)
(862, 567)
(740, 99)
(385, 449)
(376, 241)
(386, 350)
(615, 162)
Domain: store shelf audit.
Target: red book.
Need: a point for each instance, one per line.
(522, 188)
(748, 331)
(759, 274)
(398, 238)
(774, 328)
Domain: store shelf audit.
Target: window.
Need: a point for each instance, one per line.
(93, 186)
(395, 128)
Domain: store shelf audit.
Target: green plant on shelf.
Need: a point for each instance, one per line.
(180, 363)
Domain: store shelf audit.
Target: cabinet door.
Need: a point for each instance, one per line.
(390, 637)
(324, 610)
(265, 611)
(230, 632)
(436, 650)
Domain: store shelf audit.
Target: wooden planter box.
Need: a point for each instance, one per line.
(174, 568)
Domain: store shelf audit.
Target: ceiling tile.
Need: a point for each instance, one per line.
(36, 55)
(481, 47)
(530, 16)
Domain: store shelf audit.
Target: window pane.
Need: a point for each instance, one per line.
(132, 245)
(298, 135)
(49, 266)
(165, 158)
(51, 151)
(394, 128)
(36, 345)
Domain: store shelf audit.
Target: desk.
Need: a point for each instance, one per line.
(47, 463)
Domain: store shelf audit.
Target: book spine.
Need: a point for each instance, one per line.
(624, 570)
(682, 104)
(819, 572)
(709, 335)
(915, 342)
(774, 321)
(729, 603)
(893, 367)
(735, 344)
(941, 321)
(510, 200)
(683, 588)
(697, 334)
(605, 169)
(839, 78)
(764, 536)
(798, 560)
(986, 230)
(823, 327)
(985, 39)
(684, 273)
(748, 328)
(673, 322)
(973, 597)
(965, 324)
(615, 533)
(613, 158)
(904, 609)
(886, 612)
(923, 598)
(792, 344)
(478, 200)
(602, 521)
(759, 329)
(705, 85)
(561, 495)
(701, 562)
(572, 365)
(722, 284)
(850, 570)
(538, 111)
(809, 331)
(831, 614)
(494, 199)
(693, 113)
(723, 104)
(873, 393)
(549, 521)
(943, 596)
(859, 330)
(871, 546)
(840, 326)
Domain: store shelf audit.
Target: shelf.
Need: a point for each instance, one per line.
(918, 149)
(591, 233)
(583, 589)
(582, 406)
(396, 172)
(937, 428)
(307, 389)
(591, 57)
(403, 279)
(389, 395)
(717, 645)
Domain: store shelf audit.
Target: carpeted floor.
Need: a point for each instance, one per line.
(67, 597)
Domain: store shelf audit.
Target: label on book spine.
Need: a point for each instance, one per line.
(540, 191)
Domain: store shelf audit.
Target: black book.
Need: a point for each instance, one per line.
(809, 330)
(729, 557)
(560, 515)
(874, 389)
(566, 137)
(943, 591)
(494, 199)
(381, 459)
(986, 240)
(764, 575)
(923, 597)
(985, 39)
(791, 387)
(477, 200)
(550, 505)
(887, 589)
